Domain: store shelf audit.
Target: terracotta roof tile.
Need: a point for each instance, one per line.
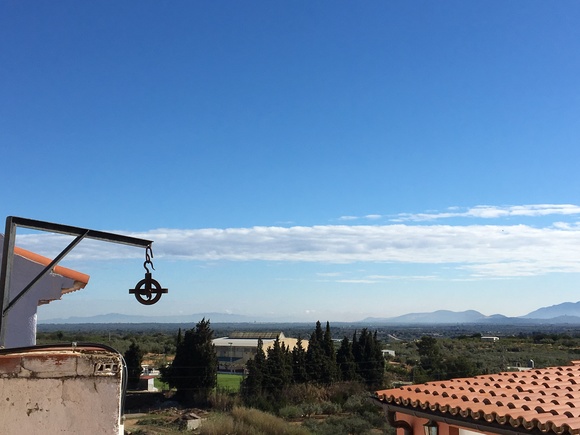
(547, 399)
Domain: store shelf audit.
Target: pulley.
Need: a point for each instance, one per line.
(148, 291)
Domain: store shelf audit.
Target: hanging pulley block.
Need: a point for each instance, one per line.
(148, 291)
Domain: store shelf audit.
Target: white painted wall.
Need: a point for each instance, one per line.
(19, 327)
(65, 391)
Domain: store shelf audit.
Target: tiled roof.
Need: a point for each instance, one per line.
(79, 277)
(539, 399)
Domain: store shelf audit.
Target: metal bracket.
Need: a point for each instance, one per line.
(12, 222)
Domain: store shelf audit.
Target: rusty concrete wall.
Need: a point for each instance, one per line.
(61, 391)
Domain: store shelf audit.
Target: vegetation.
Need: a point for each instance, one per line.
(133, 358)
(324, 388)
(251, 422)
(193, 372)
(229, 382)
(269, 376)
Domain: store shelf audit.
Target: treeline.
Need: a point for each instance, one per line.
(272, 371)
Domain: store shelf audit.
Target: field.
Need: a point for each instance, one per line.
(229, 382)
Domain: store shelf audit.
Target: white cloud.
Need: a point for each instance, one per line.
(477, 251)
(493, 212)
(348, 218)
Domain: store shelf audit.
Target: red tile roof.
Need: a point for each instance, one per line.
(539, 399)
(82, 278)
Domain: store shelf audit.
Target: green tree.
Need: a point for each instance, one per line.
(194, 370)
(299, 373)
(252, 385)
(133, 358)
(369, 358)
(330, 374)
(321, 357)
(431, 360)
(315, 356)
(278, 373)
(459, 367)
(345, 361)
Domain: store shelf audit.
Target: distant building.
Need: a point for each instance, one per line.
(147, 383)
(388, 353)
(490, 338)
(234, 351)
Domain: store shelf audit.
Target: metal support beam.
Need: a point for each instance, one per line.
(12, 222)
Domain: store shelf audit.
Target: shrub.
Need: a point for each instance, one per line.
(217, 424)
(340, 426)
(339, 392)
(267, 424)
(301, 393)
(291, 411)
(330, 408)
(355, 403)
(311, 409)
(223, 400)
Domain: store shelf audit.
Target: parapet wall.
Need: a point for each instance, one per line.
(75, 390)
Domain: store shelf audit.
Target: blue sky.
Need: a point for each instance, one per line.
(299, 160)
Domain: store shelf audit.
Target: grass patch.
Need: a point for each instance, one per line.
(249, 422)
(161, 386)
(229, 382)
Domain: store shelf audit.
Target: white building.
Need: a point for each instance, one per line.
(233, 352)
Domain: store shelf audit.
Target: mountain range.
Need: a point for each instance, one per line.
(564, 313)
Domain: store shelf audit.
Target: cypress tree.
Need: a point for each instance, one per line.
(315, 357)
(369, 360)
(278, 374)
(330, 373)
(133, 358)
(252, 385)
(194, 370)
(321, 356)
(299, 374)
(345, 361)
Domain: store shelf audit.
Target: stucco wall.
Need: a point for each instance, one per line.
(76, 391)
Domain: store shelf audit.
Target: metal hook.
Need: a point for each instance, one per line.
(148, 257)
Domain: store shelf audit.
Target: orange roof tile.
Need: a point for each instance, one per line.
(542, 399)
(79, 277)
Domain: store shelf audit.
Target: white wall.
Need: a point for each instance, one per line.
(70, 391)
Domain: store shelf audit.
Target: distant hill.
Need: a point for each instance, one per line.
(440, 316)
(126, 318)
(436, 317)
(564, 309)
(565, 313)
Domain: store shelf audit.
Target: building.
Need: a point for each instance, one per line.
(234, 351)
(66, 389)
(19, 328)
(530, 402)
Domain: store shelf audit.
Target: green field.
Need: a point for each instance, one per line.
(225, 381)
(229, 381)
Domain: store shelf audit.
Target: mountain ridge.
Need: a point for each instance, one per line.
(564, 313)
